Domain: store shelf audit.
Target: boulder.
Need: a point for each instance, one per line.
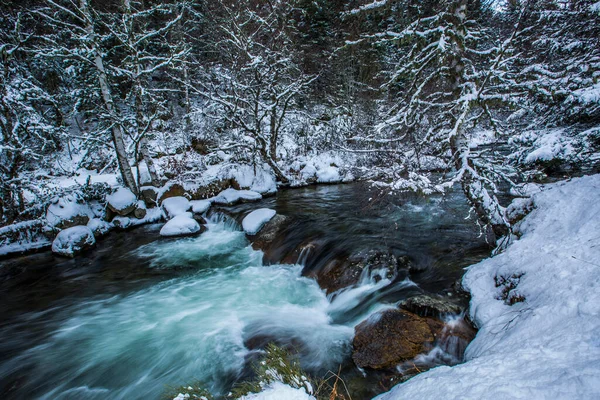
(172, 190)
(181, 225)
(212, 189)
(269, 232)
(149, 195)
(122, 202)
(99, 227)
(200, 206)
(388, 338)
(430, 306)
(175, 206)
(66, 212)
(254, 221)
(231, 196)
(73, 241)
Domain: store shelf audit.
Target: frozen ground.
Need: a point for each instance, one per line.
(546, 345)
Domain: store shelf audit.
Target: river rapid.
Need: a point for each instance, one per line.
(141, 312)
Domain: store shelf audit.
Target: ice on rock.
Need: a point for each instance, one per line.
(73, 241)
(122, 201)
(231, 196)
(181, 225)
(175, 206)
(254, 221)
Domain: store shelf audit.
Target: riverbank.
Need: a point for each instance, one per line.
(536, 307)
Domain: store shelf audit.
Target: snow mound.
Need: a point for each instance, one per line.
(200, 206)
(257, 219)
(73, 241)
(121, 200)
(329, 174)
(66, 212)
(175, 206)
(536, 306)
(279, 391)
(181, 225)
(231, 196)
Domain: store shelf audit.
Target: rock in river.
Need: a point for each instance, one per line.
(73, 241)
(388, 338)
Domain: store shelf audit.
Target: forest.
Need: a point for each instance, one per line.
(120, 113)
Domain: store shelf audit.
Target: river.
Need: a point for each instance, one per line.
(140, 312)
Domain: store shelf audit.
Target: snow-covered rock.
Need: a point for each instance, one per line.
(99, 227)
(329, 174)
(232, 196)
(200, 206)
(254, 221)
(279, 391)
(73, 241)
(122, 201)
(175, 206)
(536, 306)
(67, 212)
(181, 225)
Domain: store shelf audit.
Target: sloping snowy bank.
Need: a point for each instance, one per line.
(546, 345)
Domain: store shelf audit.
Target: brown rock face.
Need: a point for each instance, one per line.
(391, 337)
(174, 190)
(265, 238)
(430, 306)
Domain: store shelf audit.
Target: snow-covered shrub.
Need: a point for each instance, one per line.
(278, 365)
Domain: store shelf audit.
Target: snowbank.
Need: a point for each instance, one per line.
(181, 225)
(546, 345)
(231, 196)
(254, 221)
(279, 391)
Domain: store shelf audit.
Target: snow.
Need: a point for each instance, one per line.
(279, 391)
(254, 221)
(17, 248)
(588, 95)
(328, 175)
(66, 208)
(231, 196)
(547, 346)
(257, 179)
(181, 225)
(481, 138)
(121, 199)
(72, 240)
(174, 206)
(544, 145)
(99, 227)
(200, 206)
(153, 215)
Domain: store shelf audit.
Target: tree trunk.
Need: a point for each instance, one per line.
(487, 208)
(117, 130)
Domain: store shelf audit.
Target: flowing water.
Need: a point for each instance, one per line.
(141, 312)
